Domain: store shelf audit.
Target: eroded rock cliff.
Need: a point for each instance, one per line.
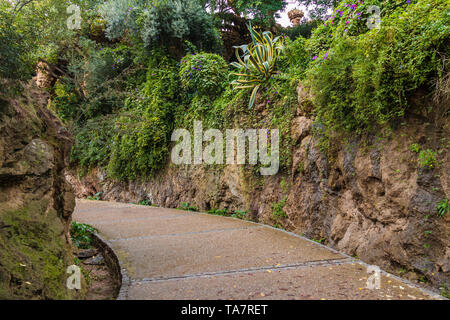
(36, 203)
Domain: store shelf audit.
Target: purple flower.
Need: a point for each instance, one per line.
(326, 56)
(315, 57)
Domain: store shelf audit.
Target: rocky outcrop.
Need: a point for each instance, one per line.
(370, 198)
(36, 202)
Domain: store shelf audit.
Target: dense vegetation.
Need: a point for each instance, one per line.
(138, 69)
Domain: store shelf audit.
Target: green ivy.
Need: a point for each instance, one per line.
(364, 79)
(204, 74)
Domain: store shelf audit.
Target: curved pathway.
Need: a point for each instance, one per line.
(174, 254)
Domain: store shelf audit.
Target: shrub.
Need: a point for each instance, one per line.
(95, 87)
(106, 64)
(350, 20)
(120, 17)
(295, 58)
(81, 235)
(204, 74)
(427, 158)
(93, 142)
(366, 80)
(67, 107)
(303, 30)
(141, 144)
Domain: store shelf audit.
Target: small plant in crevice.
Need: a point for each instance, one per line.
(414, 148)
(219, 212)
(95, 197)
(81, 235)
(145, 202)
(186, 206)
(239, 214)
(278, 209)
(442, 208)
(321, 241)
(402, 272)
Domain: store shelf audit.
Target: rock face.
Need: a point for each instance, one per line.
(373, 201)
(36, 202)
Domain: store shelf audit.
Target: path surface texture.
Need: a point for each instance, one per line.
(174, 254)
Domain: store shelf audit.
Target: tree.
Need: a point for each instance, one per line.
(319, 9)
(166, 24)
(11, 48)
(231, 17)
(171, 23)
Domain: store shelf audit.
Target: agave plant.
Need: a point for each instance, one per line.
(258, 61)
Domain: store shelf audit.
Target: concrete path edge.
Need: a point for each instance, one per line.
(114, 264)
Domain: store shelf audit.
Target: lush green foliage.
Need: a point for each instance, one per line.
(263, 12)
(125, 85)
(204, 74)
(121, 16)
(170, 24)
(186, 206)
(93, 142)
(278, 209)
(12, 50)
(295, 59)
(302, 30)
(81, 235)
(365, 80)
(319, 8)
(258, 62)
(95, 197)
(427, 158)
(142, 143)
